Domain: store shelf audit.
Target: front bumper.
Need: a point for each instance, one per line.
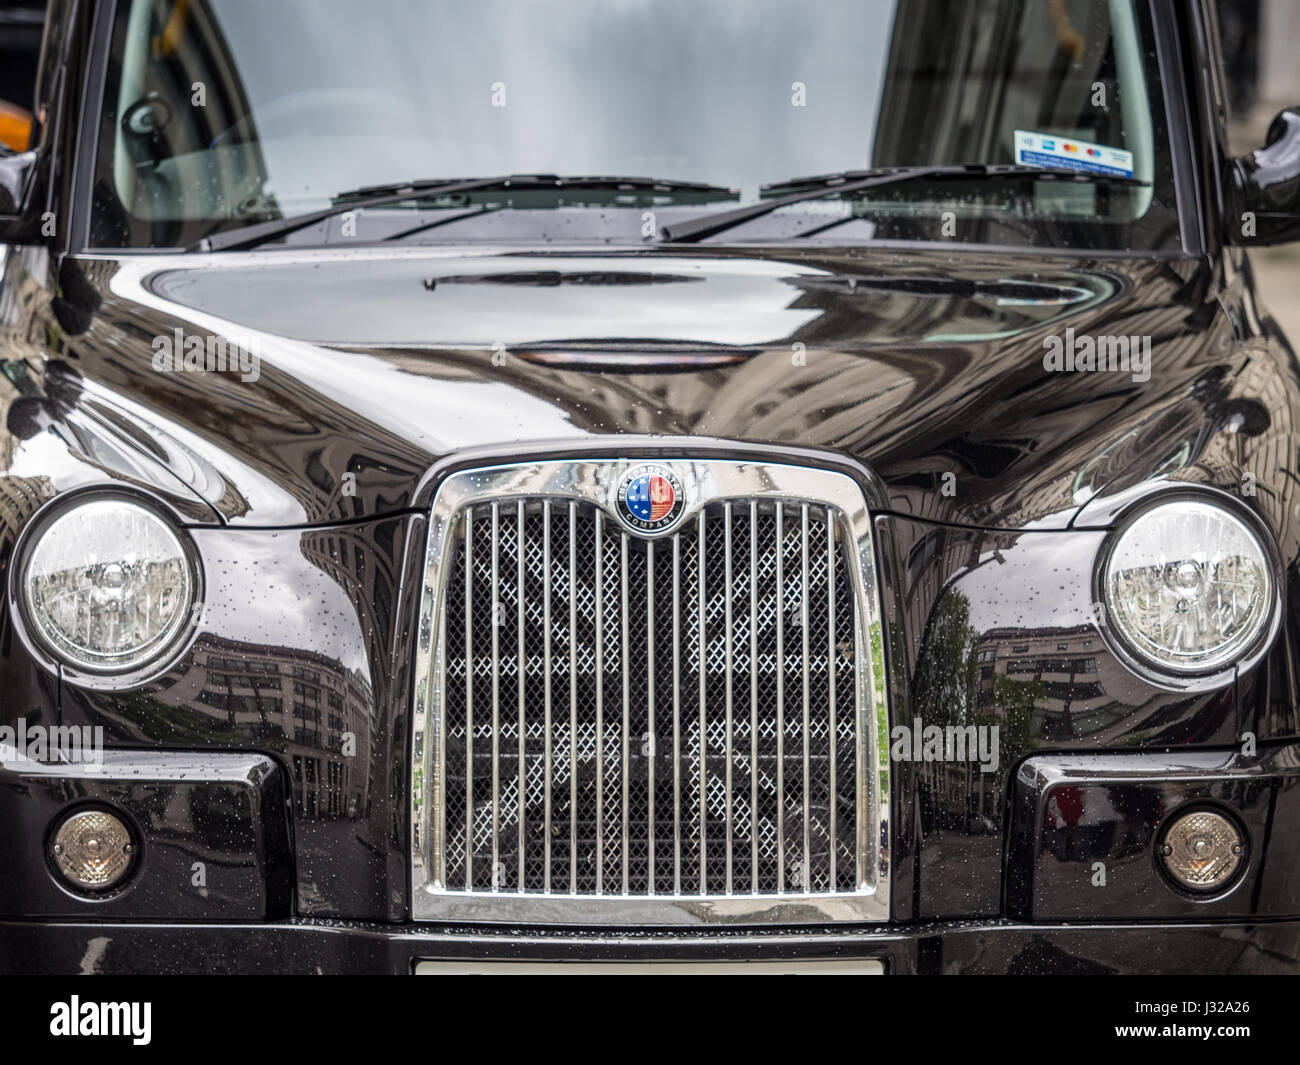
(227, 813)
(61, 947)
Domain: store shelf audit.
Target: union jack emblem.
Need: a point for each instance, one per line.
(650, 498)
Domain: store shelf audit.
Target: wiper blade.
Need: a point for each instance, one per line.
(942, 170)
(554, 181)
(250, 236)
(242, 238)
(851, 181)
(424, 227)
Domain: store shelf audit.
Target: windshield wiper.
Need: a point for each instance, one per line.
(851, 181)
(244, 237)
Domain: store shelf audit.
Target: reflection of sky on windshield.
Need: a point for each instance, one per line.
(697, 90)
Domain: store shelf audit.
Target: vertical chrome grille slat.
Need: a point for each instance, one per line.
(832, 656)
(864, 847)
(573, 698)
(728, 680)
(625, 764)
(702, 797)
(677, 715)
(780, 699)
(769, 811)
(522, 660)
(600, 702)
(547, 670)
(650, 713)
(805, 870)
(440, 819)
(469, 700)
(496, 699)
(753, 697)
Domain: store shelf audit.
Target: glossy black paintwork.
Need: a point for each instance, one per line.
(1030, 451)
(932, 948)
(316, 618)
(915, 363)
(223, 810)
(396, 364)
(1074, 811)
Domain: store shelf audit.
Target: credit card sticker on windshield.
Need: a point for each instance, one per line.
(1037, 149)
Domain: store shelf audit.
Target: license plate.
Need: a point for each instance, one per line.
(832, 967)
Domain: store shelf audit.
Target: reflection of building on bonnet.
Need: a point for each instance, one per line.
(302, 704)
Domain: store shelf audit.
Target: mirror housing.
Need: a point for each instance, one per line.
(17, 173)
(1263, 188)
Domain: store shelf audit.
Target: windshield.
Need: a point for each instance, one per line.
(222, 113)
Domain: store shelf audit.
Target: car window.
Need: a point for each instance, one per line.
(219, 113)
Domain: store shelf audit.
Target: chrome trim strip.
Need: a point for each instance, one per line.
(440, 748)
(594, 481)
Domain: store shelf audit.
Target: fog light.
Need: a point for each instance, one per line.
(92, 850)
(1202, 850)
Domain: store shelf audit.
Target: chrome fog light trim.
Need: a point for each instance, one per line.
(1202, 851)
(92, 850)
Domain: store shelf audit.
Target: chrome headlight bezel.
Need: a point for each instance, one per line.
(125, 671)
(1189, 677)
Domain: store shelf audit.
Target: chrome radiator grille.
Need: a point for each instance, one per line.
(623, 717)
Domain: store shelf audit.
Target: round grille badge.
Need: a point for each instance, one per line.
(650, 498)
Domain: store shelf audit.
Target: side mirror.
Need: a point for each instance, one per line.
(17, 169)
(1263, 188)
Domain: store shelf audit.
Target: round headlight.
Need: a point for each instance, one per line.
(1188, 587)
(107, 586)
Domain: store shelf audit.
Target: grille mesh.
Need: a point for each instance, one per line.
(591, 695)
